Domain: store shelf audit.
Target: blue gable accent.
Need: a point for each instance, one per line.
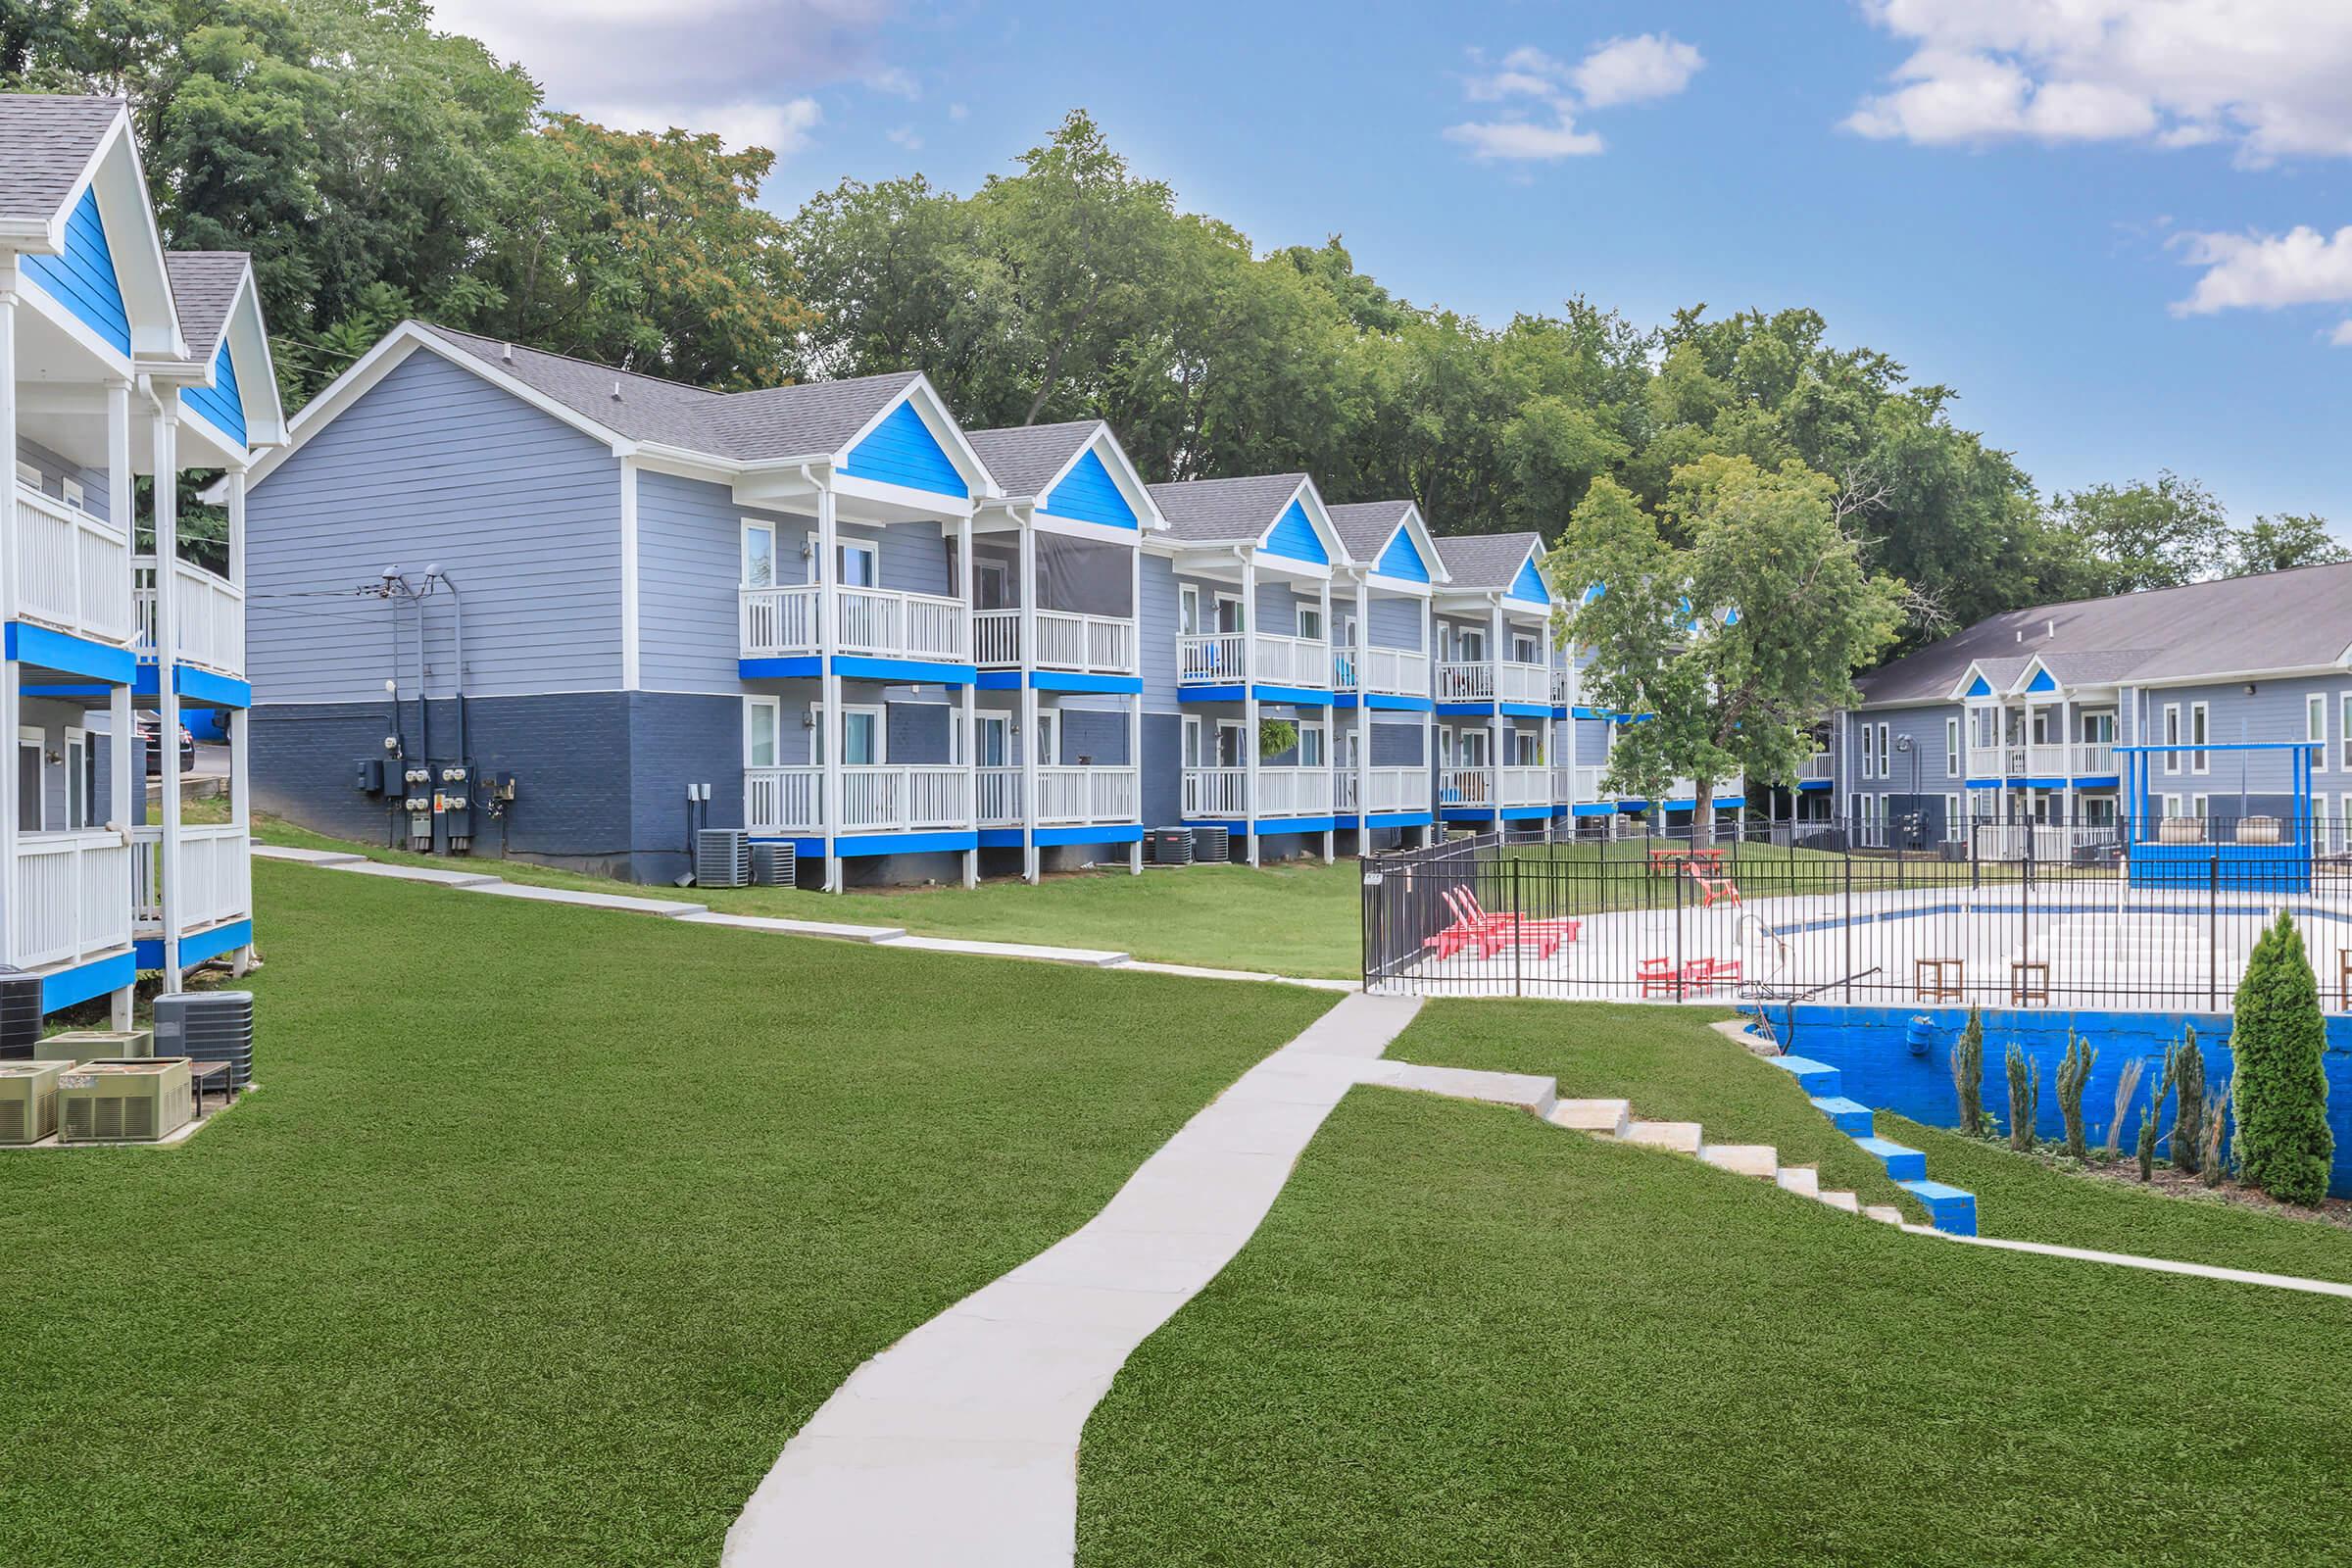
(1529, 585)
(1088, 494)
(2042, 682)
(1982, 688)
(1294, 537)
(221, 403)
(1402, 560)
(84, 279)
(902, 450)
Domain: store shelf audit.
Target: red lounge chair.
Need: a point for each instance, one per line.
(1565, 927)
(1495, 932)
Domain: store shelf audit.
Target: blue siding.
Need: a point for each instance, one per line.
(1529, 585)
(84, 279)
(903, 451)
(1294, 537)
(1979, 687)
(1402, 560)
(2042, 682)
(221, 403)
(1088, 494)
(435, 465)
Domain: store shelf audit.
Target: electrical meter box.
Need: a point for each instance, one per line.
(453, 803)
(371, 775)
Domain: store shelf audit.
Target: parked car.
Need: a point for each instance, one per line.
(147, 725)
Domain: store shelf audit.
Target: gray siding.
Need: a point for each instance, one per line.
(1395, 622)
(1396, 746)
(689, 564)
(1156, 632)
(433, 464)
(55, 468)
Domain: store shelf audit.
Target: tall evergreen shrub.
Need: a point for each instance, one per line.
(2184, 1066)
(1968, 1073)
(2281, 1086)
(2025, 1098)
(2074, 1072)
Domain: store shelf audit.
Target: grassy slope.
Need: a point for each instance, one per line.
(1463, 1338)
(1666, 1061)
(2021, 1199)
(549, 1227)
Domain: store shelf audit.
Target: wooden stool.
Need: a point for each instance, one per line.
(2343, 975)
(1937, 979)
(2029, 981)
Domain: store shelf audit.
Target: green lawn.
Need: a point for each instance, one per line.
(1463, 1337)
(1666, 1061)
(549, 1227)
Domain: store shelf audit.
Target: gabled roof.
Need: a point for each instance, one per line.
(1364, 527)
(47, 141)
(2295, 619)
(1225, 510)
(204, 289)
(1027, 457)
(1487, 560)
(1373, 533)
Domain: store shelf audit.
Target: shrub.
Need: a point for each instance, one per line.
(2147, 1133)
(2184, 1066)
(2074, 1071)
(2024, 1100)
(2127, 1084)
(1275, 736)
(2209, 1147)
(2280, 1084)
(1968, 1073)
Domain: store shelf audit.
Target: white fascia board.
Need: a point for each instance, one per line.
(257, 372)
(1076, 528)
(30, 292)
(1123, 476)
(125, 209)
(1402, 587)
(933, 410)
(929, 501)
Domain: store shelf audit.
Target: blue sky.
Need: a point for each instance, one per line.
(2111, 224)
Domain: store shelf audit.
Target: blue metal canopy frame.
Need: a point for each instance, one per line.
(2283, 866)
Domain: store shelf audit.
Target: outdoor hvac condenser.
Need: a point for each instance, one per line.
(1212, 846)
(94, 1045)
(722, 857)
(774, 865)
(1171, 846)
(208, 1026)
(29, 1099)
(19, 1013)
(124, 1102)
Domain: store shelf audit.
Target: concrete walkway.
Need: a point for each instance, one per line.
(959, 1446)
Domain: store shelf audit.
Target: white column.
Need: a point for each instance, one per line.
(970, 749)
(1494, 721)
(120, 781)
(1030, 867)
(1250, 703)
(240, 730)
(164, 501)
(1429, 722)
(828, 681)
(1135, 703)
(8, 594)
(1323, 619)
(1363, 715)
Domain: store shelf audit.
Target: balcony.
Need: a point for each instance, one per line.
(1818, 767)
(874, 798)
(1380, 672)
(67, 569)
(1575, 785)
(1563, 688)
(210, 612)
(874, 623)
(1486, 787)
(71, 898)
(216, 871)
(1224, 792)
(1066, 797)
(1227, 657)
(1092, 645)
(1393, 789)
(1495, 682)
(2083, 759)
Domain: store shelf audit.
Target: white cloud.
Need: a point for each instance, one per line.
(1542, 94)
(2266, 75)
(905, 136)
(2268, 272)
(2341, 337)
(958, 111)
(1626, 70)
(898, 83)
(783, 128)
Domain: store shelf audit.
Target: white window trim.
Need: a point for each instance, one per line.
(743, 552)
(1321, 730)
(2200, 732)
(1188, 743)
(1951, 818)
(774, 705)
(77, 770)
(2172, 734)
(34, 736)
(1241, 615)
(1048, 739)
(27, 473)
(2315, 708)
(2344, 725)
(1885, 753)
(1241, 729)
(873, 553)
(1300, 615)
(2196, 806)
(1951, 748)
(817, 733)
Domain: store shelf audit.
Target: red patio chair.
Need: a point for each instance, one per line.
(1495, 932)
(1565, 927)
(1657, 977)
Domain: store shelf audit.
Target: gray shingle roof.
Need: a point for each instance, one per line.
(1486, 560)
(1365, 525)
(1025, 457)
(783, 421)
(1217, 511)
(204, 285)
(2296, 620)
(46, 140)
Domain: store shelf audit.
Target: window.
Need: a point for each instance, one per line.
(78, 791)
(760, 727)
(1049, 739)
(758, 553)
(2168, 805)
(1868, 766)
(1951, 748)
(31, 804)
(2196, 806)
(2171, 735)
(1191, 740)
(1312, 752)
(1951, 818)
(1527, 748)
(2314, 728)
(1229, 744)
(28, 474)
(1470, 645)
(1473, 748)
(860, 565)
(1311, 622)
(2198, 762)
(1188, 611)
(1526, 651)
(1346, 632)
(993, 741)
(864, 735)
(70, 491)
(1229, 613)
(1885, 754)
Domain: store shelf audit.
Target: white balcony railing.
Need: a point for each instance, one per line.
(1393, 789)
(784, 799)
(1209, 658)
(1292, 662)
(1094, 645)
(1495, 682)
(1067, 797)
(1818, 766)
(1281, 791)
(1218, 659)
(1380, 672)
(71, 898)
(211, 610)
(874, 622)
(215, 874)
(2042, 759)
(1584, 784)
(66, 569)
(902, 798)
(1516, 785)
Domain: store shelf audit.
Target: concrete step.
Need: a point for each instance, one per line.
(1902, 1164)
(1683, 1137)
(1845, 1200)
(1817, 1078)
(1948, 1207)
(1885, 1213)
(1608, 1116)
(1848, 1116)
(1760, 1161)
(1803, 1180)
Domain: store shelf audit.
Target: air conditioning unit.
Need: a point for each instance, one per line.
(29, 1099)
(1212, 846)
(774, 865)
(124, 1102)
(208, 1026)
(1169, 846)
(722, 857)
(19, 1013)
(90, 1045)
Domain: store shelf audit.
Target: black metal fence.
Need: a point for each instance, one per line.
(2009, 914)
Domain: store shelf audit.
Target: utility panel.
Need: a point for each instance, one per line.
(416, 803)
(371, 775)
(452, 804)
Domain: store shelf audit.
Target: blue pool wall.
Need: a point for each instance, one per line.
(1872, 1048)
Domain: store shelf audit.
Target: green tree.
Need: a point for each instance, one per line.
(2279, 1084)
(1732, 644)
(2277, 543)
(2145, 536)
